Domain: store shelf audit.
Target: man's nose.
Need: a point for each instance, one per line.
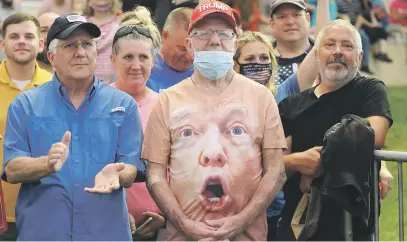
(213, 154)
(80, 51)
(214, 40)
(290, 19)
(21, 40)
(338, 50)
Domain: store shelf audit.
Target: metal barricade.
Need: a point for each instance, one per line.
(392, 156)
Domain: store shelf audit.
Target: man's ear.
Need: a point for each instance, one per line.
(272, 22)
(51, 58)
(2, 45)
(113, 60)
(360, 57)
(164, 34)
(41, 45)
(188, 45)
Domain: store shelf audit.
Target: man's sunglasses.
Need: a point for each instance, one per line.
(126, 30)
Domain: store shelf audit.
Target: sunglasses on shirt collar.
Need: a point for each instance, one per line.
(126, 30)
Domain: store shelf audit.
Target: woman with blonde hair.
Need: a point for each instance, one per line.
(255, 59)
(106, 15)
(142, 16)
(133, 58)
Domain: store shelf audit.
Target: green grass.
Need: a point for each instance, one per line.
(396, 140)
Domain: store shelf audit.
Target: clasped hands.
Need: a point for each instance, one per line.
(223, 229)
(106, 181)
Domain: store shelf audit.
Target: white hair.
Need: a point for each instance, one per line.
(345, 24)
(53, 46)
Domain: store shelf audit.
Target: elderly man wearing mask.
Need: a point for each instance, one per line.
(219, 136)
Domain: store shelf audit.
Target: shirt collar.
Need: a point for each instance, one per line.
(5, 78)
(62, 90)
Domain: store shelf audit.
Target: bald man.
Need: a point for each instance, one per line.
(46, 20)
(173, 63)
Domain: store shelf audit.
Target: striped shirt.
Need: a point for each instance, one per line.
(353, 8)
(104, 69)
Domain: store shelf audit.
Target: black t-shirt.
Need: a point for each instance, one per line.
(306, 118)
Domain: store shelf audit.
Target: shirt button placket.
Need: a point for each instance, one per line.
(76, 174)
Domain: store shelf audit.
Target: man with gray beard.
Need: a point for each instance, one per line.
(306, 118)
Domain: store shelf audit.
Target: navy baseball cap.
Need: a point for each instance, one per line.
(64, 26)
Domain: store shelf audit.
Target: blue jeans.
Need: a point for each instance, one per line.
(384, 22)
(365, 47)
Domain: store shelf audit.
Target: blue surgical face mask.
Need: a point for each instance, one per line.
(213, 64)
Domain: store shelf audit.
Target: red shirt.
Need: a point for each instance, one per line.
(400, 7)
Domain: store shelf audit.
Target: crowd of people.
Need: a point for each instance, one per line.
(117, 125)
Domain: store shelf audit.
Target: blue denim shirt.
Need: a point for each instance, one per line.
(287, 88)
(105, 129)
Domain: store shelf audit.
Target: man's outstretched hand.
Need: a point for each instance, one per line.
(107, 180)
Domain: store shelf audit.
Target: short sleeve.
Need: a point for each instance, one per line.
(15, 137)
(131, 139)
(287, 88)
(157, 141)
(376, 102)
(273, 130)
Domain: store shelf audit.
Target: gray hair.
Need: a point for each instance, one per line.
(345, 24)
(133, 36)
(53, 46)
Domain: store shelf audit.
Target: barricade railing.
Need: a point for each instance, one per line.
(400, 158)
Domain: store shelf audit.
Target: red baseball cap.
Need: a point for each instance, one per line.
(217, 8)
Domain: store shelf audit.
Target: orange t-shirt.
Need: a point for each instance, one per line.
(213, 146)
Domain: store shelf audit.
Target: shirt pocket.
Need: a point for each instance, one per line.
(43, 132)
(104, 138)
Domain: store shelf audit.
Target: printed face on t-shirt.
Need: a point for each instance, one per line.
(212, 149)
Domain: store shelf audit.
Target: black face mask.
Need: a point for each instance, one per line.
(260, 73)
(43, 58)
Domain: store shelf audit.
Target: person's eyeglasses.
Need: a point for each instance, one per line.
(74, 45)
(126, 30)
(226, 34)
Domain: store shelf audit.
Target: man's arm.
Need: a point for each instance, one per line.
(18, 165)
(381, 126)
(306, 162)
(26, 169)
(159, 188)
(273, 180)
(127, 176)
(129, 147)
(308, 71)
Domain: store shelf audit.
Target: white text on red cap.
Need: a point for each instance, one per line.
(217, 5)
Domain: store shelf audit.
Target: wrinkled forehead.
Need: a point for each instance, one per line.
(339, 34)
(212, 22)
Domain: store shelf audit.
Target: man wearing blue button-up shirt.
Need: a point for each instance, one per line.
(73, 143)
